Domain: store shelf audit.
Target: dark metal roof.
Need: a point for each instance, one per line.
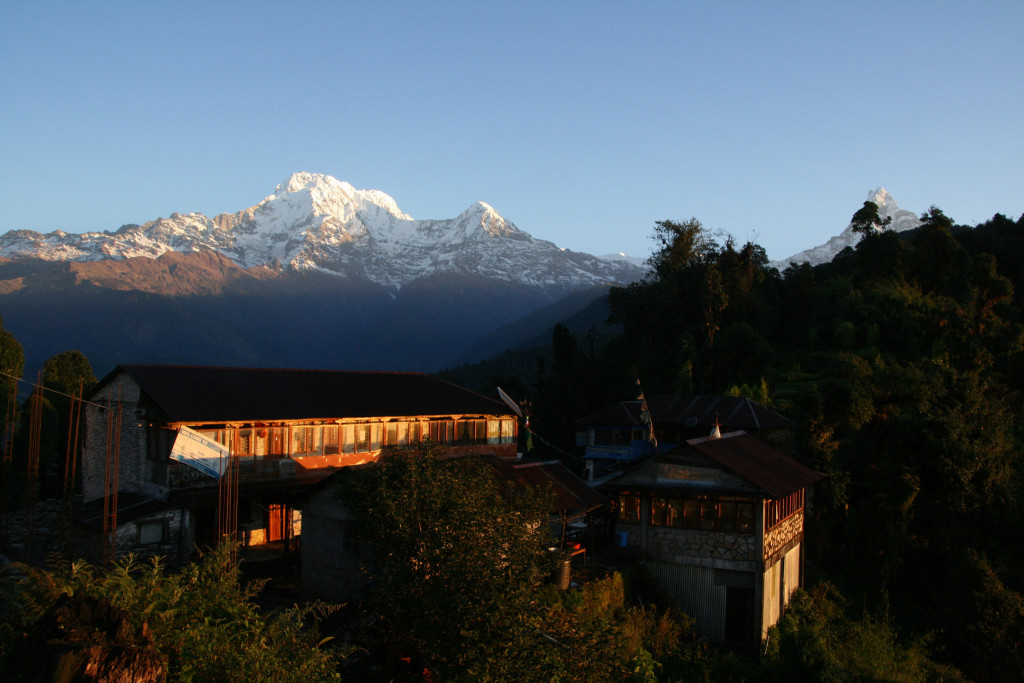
(687, 410)
(227, 394)
(572, 494)
(130, 507)
(757, 462)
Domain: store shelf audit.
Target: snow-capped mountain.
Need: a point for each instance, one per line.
(824, 253)
(316, 222)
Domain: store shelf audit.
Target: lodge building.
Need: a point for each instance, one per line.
(282, 430)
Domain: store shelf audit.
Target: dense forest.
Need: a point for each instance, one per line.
(902, 365)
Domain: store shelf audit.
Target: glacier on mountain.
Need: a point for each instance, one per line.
(824, 253)
(314, 221)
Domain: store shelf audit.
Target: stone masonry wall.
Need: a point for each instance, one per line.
(789, 530)
(684, 546)
(132, 453)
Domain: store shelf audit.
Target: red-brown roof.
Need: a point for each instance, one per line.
(225, 394)
(572, 494)
(757, 462)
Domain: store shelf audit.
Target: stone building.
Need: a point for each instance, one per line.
(162, 443)
(618, 436)
(719, 522)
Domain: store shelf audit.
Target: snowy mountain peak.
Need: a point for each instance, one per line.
(316, 222)
(824, 253)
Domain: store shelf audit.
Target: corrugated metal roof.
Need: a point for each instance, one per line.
(130, 507)
(226, 394)
(757, 462)
(689, 410)
(572, 493)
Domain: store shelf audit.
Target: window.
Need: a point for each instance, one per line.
(508, 431)
(629, 508)
(470, 432)
(731, 515)
(151, 533)
(442, 431)
(362, 438)
(330, 439)
(278, 445)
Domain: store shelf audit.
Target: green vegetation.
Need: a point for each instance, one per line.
(201, 622)
(461, 573)
(902, 365)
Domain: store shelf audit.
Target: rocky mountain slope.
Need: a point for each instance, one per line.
(318, 274)
(315, 222)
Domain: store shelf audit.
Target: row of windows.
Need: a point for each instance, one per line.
(701, 514)
(364, 437)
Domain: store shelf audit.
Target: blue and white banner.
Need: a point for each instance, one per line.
(195, 450)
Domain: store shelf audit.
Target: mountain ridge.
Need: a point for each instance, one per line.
(824, 253)
(316, 222)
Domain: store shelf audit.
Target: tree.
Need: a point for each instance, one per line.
(202, 620)
(458, 558)
(680, 245)
(866, 220)
(817, 641)
(68, 372)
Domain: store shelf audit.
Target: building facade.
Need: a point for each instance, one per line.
(719, 522)
(279, 432)
(618, 436)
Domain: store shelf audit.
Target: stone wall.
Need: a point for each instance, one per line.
(132, 447)
(790, 530)
(685, 546)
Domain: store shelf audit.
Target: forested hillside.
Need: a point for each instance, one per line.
(901, 362)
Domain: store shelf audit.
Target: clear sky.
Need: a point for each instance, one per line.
(582, 123)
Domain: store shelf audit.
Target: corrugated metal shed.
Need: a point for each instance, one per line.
(225, 394)
(686, 410)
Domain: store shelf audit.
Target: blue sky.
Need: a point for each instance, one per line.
(583, 123)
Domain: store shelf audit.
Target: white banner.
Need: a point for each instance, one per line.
(206, 455)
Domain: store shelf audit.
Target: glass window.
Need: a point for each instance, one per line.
(299, 440)
(362, 438)
(330, 439)
(316, 440)
(508, 431)
(691, 514)
(375, 433)
(494, 431)
(745, 517)
(659, 512)
(708, 510)
(259, 444)
(629, 508)
(391, 434)
(675, 512)
(279, 441)
(727, 511)
(348, 439)
(151, 532)
(245, 444)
